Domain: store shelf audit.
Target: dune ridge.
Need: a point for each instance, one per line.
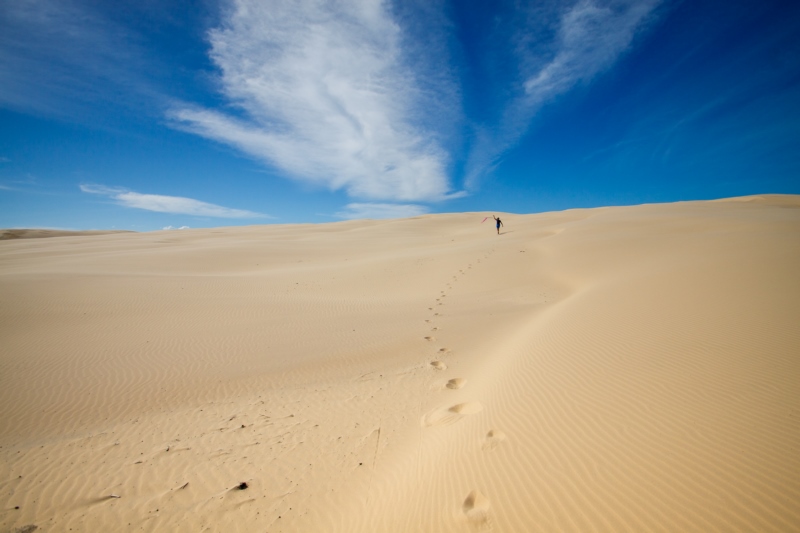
(614, 369)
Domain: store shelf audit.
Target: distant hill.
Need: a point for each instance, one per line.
(7, 234)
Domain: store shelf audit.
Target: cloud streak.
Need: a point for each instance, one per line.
(591, 37)
(323, 91)
(167, 204)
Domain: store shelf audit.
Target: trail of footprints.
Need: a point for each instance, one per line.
(476, 507)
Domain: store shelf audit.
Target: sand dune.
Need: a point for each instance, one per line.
(615, 369)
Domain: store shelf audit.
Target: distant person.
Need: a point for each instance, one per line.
(498, 223)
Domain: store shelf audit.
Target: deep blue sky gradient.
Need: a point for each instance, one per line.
(704, 103)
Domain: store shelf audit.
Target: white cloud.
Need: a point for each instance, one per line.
(168, 204)
(323, 91)
(377, 210)
(591, 37)
(173, 227)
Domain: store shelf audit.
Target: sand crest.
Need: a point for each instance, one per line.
(616, 369)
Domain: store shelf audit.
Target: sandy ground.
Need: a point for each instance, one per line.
(616, 369)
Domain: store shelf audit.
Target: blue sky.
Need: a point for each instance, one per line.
(149, 114)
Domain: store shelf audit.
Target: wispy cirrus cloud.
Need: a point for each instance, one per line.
(361, 96)
(324, 92)
(591, 37)
(177, 205)
(378, 210)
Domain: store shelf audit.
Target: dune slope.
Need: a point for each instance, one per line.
(615, 369)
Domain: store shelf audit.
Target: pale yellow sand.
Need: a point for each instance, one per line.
(617, 369)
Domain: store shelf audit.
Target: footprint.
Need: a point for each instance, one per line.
(438, 365)
(476, 507)
(444, 350)
(430, 338)
(451, 415)
(493, 439)
(456, 383)
(434, 329)
(466, 408)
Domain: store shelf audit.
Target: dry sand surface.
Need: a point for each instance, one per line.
(616, 369)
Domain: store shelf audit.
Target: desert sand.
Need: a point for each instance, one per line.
(614, 369)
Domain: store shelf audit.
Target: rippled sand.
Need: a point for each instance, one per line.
(615, 369)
